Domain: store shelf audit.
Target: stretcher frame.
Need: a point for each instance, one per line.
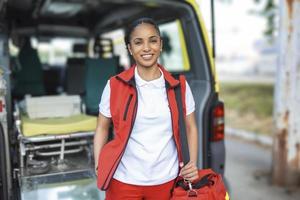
(61, 141)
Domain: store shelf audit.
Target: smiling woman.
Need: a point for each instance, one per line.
(145, 135)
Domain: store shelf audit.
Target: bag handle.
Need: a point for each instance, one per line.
(204, 181)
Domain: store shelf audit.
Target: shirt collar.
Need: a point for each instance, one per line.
(127, 76)
(159, 82)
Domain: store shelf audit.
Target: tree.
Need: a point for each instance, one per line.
(269, 12)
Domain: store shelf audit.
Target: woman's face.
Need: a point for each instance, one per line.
(145, 45)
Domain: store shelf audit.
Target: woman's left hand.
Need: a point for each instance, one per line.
(189, 171)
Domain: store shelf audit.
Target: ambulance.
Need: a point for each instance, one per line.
(55, 59)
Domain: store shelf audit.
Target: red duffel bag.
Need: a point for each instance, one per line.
(209, 186)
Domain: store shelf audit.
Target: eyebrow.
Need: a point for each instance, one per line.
(151, 37)
(154, 36)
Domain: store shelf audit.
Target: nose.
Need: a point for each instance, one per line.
(146, 47)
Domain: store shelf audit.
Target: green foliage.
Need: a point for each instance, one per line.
(248, 106)
(255, 98)
(269, 12)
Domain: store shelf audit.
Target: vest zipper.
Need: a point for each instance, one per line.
(109, 177)
(127, 106)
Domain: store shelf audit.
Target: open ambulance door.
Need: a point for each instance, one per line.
(3, 164)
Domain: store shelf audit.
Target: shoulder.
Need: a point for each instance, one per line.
(122, 81)
(125, 75)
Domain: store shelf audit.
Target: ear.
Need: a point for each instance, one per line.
(161, 44)
(129, 49)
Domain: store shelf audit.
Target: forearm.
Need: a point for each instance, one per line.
(192, 137)
(101, 136)
(189, 171)
(100, 139)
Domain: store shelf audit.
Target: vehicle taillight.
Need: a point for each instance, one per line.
(1, 106)
(218, 122)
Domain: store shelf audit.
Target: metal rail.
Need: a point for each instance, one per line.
(43, 138)
(55, 145)
(61, 153)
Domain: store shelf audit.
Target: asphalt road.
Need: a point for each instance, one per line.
(248, 171)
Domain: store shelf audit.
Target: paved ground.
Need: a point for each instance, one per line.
(248, 172)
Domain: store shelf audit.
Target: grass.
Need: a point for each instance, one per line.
(248, 106)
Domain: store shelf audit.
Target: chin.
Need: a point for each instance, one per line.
(148, 64)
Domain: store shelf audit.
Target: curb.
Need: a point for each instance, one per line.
(250, 136)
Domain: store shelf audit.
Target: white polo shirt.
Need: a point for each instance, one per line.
(150, 157)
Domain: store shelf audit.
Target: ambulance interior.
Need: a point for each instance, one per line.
(56, 108)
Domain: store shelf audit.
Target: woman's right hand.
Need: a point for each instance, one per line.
(189, 171)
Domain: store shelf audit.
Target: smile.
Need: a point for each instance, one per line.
(147, 56)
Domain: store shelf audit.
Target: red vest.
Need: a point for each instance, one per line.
(123, 108)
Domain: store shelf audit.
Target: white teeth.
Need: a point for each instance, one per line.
(147, 56)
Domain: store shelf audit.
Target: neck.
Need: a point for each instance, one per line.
(149, 73)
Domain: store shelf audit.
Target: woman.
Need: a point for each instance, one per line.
(141, 162)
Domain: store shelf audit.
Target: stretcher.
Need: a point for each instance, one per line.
(53, 145)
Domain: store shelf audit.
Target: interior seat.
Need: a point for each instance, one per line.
(98, 71)
(75, 70)
(28, 79)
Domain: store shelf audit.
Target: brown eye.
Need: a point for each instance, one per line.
(137, 42)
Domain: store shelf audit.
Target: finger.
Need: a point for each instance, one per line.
(181, 164)
(182, 167)
(189, 173)
(190, 170)
(189, 166)
(191, 176)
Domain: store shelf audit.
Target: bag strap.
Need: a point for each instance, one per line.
(182, 127)
(205, 174)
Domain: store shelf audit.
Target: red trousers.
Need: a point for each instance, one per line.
(123, 191)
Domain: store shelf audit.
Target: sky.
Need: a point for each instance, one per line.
(238, 35)
(235, 27)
